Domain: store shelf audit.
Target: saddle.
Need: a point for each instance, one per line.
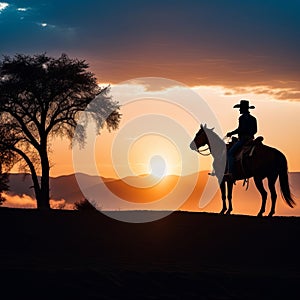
(246, 151)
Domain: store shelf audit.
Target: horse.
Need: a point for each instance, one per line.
(264, 162)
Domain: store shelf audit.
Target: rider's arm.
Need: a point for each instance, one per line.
(236, 131)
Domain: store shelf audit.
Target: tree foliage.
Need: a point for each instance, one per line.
(41, 97)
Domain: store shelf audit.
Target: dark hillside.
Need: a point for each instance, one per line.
(71, 254)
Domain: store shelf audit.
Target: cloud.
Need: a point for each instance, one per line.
(3, 6)
(230, 44)
(279, 91)
(25, 201)
(23, 8)
(44, 24)
(61, 204)
(279, 80)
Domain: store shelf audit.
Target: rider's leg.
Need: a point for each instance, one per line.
(230, 155)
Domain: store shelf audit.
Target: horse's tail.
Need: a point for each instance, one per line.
(284, 182)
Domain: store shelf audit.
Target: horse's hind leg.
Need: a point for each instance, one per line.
(223, 192)
(271, 184)
(264, 194)
(229, 196)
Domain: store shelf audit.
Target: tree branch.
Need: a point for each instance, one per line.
(25, 129)
(32, 170)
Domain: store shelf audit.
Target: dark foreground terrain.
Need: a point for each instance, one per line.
(77, 255)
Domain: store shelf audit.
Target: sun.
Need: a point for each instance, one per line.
(158, 166)
(152, 155)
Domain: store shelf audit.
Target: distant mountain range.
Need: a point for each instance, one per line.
(142, 189)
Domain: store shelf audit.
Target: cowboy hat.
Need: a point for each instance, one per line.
(244, 104)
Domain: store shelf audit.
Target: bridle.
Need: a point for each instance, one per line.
(203, 150)
(208, 148)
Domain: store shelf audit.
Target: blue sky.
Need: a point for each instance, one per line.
(229, 43)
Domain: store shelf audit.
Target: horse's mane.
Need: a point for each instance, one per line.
(214, 140)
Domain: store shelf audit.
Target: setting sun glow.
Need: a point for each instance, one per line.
(154, 154)
(158, 167)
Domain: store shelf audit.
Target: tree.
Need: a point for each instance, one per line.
(41, 97)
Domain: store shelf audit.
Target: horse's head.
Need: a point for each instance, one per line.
(200, 138)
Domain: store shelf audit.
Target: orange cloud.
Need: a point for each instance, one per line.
(25, 201)
(257, 73)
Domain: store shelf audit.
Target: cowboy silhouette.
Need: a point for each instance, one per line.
(246, 131)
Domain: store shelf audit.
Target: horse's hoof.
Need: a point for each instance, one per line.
(271, 213)
(222, 212)
(260, 214)
(228, 212)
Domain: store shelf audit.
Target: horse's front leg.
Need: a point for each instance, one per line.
(223, 193)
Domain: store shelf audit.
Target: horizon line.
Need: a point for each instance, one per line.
(120, 178)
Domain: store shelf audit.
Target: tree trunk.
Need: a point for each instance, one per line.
(43, 202)
(37, 190)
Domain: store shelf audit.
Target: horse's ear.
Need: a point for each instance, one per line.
(212, 128)
(205, 125)
(201, 126)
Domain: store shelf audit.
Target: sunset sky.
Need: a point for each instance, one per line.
(223, 51)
